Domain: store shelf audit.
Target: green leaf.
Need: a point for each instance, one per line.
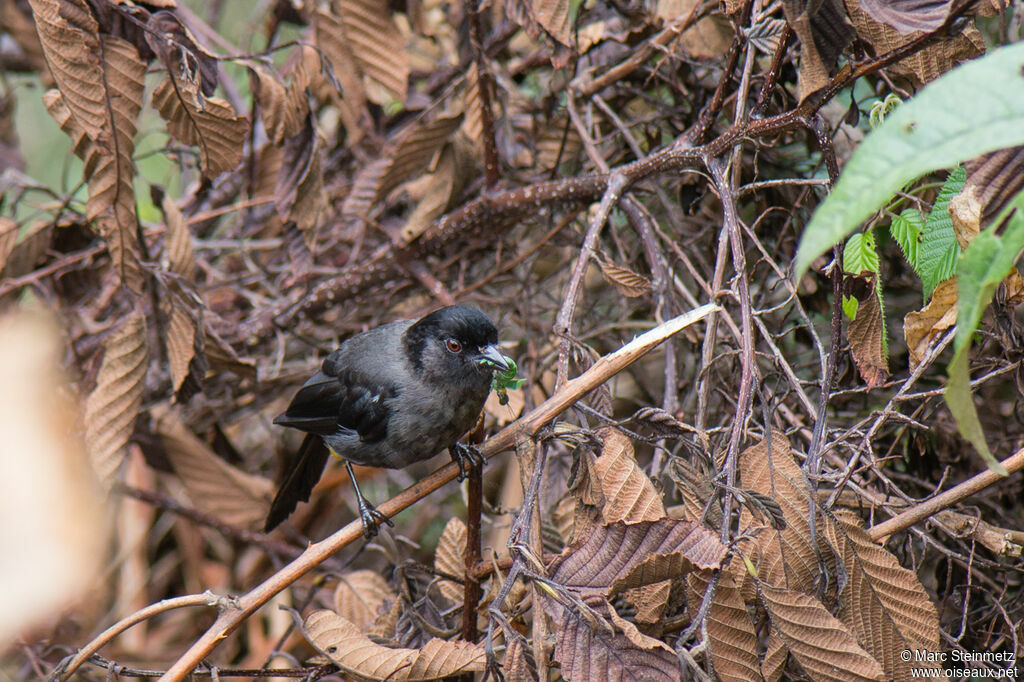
(860, 253)
(906, 229)
(850, 305)
(988, 259)
(939, 250)
(973, 109)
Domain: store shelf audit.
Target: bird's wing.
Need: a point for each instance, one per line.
(342, 399)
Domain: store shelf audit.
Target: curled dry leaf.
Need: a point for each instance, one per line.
(627, 282)
(21, 247)
(866, 333)
(360, 596)
(378, 47)
(994, 178)
(518, 665)
(922, 326)
(883, 604)
(107, 159)
(822, 645)
(824, 32)
(178, 240)
(329, 34)
(209, 123)
(449, 559)
(300, 192)
(356, 654)
(180, 337)
(70, 38)
(283, 108)
(214, 486)
(111, 408)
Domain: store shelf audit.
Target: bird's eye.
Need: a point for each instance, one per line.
(453, 345)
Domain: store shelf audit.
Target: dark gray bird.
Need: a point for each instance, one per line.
(396, 394)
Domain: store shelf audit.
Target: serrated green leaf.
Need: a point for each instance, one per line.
(932, 130)
(906, 229)
(860, 253)
(988, 259)
(939, 251)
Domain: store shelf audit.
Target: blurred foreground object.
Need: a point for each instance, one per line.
(51, 520)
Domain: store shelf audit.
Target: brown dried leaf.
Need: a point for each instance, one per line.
(18, 25)
(360, 596)
(377, 46)
(907, 16)
(108, 166)
(178, 240)
(590, 651)
(111, 408)
(883, 604)
(822, 645)
(354, 653)
(622, 555)
(415, 150)
(789, 557)
(23, 249)
(922, 66)
(71, 42)
(432, 193)
(283, 108)
(449, 558)
(628, 283)
(553, 16)
(209, 123)
(824, 32)
(629, 494)
(300, 192)
(731, 636)
(775, 656)
(994, 179)
(178, 51)
(222, 355)
(867, 344)
(518, 665)
(920, 327)
(214, 486)
(181, 342)
(329, 33)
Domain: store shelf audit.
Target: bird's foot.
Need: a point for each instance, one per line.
(372, 519)
(468, 457)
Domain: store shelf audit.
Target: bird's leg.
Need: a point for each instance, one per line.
(370, 517)
(468, 457)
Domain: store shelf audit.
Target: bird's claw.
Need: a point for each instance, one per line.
(372, 520)
(468, 457)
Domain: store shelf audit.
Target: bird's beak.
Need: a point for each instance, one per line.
(491, 357)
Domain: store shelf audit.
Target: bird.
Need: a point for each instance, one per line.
(388, 397)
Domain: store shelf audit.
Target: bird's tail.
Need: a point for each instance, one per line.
(302, 475)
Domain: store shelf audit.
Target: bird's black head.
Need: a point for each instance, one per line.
(454, 345)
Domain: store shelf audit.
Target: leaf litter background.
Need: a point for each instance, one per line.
(238, 210)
